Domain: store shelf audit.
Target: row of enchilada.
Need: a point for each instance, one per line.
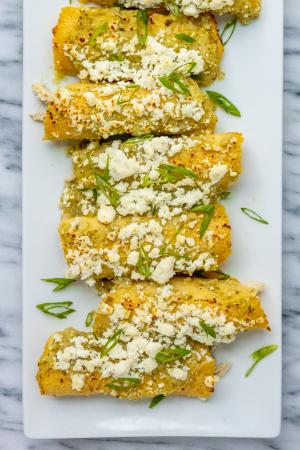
(141, 219)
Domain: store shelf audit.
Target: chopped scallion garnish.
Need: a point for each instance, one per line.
(57, 309)
(100, 30)
(156, 400)
(167, 355)
(224, 195)
(116, 57)
(253, 215)
(95, 194)
(207, 329)
(172, 6)
(111, 343)
(175, 173)
(260, 354)
(162, 251)
(174, 82)
(224, 103)
(208, 211)
(142, 26)
(137, 139)
(89, 318)
(185, 69)
(206, 221)
(205, 209)
(143, 265)
(214, 275)
(102, 182)
(119, 384)
(197, 77)
(61, 283)
(185, 37)
(228, 31)
(105, 175)
(121, 100)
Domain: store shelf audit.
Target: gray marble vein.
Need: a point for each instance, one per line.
(11, 434)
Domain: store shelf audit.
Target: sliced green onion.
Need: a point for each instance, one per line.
(106, 175)
(197, 77)
(253, 215)
(156, 400)
(95, 194)
(111, 343)
(134, 87)
(100, 30)
(116, 57)
(120, 384)
(162, 251)
(184, 72)
(214, 275)
(206, 221)
(89, 318)
(228, 31)
(224, 195)
(63, 309)
(224, 103)
(174, 85)
(137, 139)
(168, 355)
(208, 211)
(147, 182)
(172, 6)
(102, 182)
(185, 37)
(174, 173)
(142, 26)
(205, 209)
(143, 265)
(260, 354)
(61, 283)
(173, 80)
(207, 329)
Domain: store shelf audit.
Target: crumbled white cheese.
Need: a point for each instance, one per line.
(91, 99)
(217, 172)
(132, 258)
(142, 65)
(257, 286)
(38, 116)
(106, 214)
(189, 7)
(166, 329)
(77, 381)
(164, 270)
(178, 374)
(42, 92)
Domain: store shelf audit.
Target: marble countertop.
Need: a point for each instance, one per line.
(11, 434)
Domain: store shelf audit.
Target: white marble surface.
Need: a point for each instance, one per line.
(11, 434)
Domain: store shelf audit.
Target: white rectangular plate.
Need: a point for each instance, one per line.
(240, 407)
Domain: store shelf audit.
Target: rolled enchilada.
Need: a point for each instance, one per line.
(168, 174)
(88, 111)
(62, 373)
(150, 340)
(116, 52)
(144, 247)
